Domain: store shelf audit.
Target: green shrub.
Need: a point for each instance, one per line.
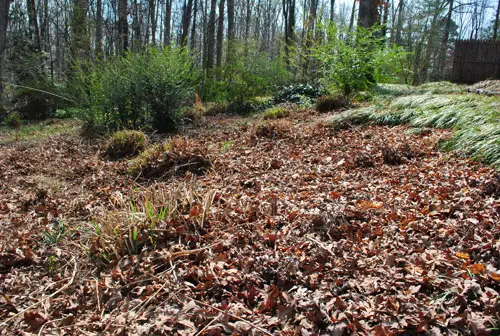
(140, 90)
(330, 103)
(124, 144)
(354, 62)
(295, 93)
(251, 73)
(276, 112)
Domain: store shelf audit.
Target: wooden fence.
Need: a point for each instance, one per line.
(475, 61)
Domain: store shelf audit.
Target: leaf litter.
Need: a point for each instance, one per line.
(312, 233)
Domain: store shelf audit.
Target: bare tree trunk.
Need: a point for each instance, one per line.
(186, 22)
(193, 28)
(353, 13)
(168, 18)
(220, 33)
(4, 18)
(497, 23)
(152, 15)
(368, 13)
(399, 26)
(33, 23)
(332, 10)
(98, 30)
(230, 31)
(386, 17)
(211, 36)
(122, 26)
(248, 18)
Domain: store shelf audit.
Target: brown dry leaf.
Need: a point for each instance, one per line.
(477, 269)
(34, 319)
(463, 255)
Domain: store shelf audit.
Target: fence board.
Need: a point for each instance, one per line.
(476, 60)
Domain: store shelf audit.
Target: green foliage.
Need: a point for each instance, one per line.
(295, 93)
(250, 73)
(13, 120)
(124, 144)
(354, 62)
(139, 90)
(277, 112)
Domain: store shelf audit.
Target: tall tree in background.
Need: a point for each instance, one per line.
(33, 24)
(230, 30)
(368, 13)
(497, 23)
(122, 26)
(211, 36)
(98, 30)
(167, 19)
(4, 19)
(186, 21)
(220, 33)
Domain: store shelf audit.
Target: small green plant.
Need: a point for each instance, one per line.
(277, 112)
(125, 144)
(54, 235)
(14, 120)
(226, 146)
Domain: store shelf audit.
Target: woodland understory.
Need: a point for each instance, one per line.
(287, 227)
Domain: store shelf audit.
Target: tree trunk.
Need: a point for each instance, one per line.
(4, 18)
(497, 23)
(211, 36)
(33, 24)
(230, 31)
(186, 22)
(220, 33)
(122, 26)
(353, 13)
(399, 26)
(368, 13)
(248, 18)
(332, 10)
(168, 18)
(98, 30)
(152, 15)
(193, 28)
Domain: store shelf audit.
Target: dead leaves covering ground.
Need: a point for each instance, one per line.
(301, 239)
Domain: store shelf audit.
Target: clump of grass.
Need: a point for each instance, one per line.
(124, 144)
(330, 103)
(177, 157)
(156, 218)
(476, 120)
(277, 112)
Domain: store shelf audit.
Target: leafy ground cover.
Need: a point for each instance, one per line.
(295, 228)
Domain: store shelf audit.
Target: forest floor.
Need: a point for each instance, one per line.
(295, 229)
